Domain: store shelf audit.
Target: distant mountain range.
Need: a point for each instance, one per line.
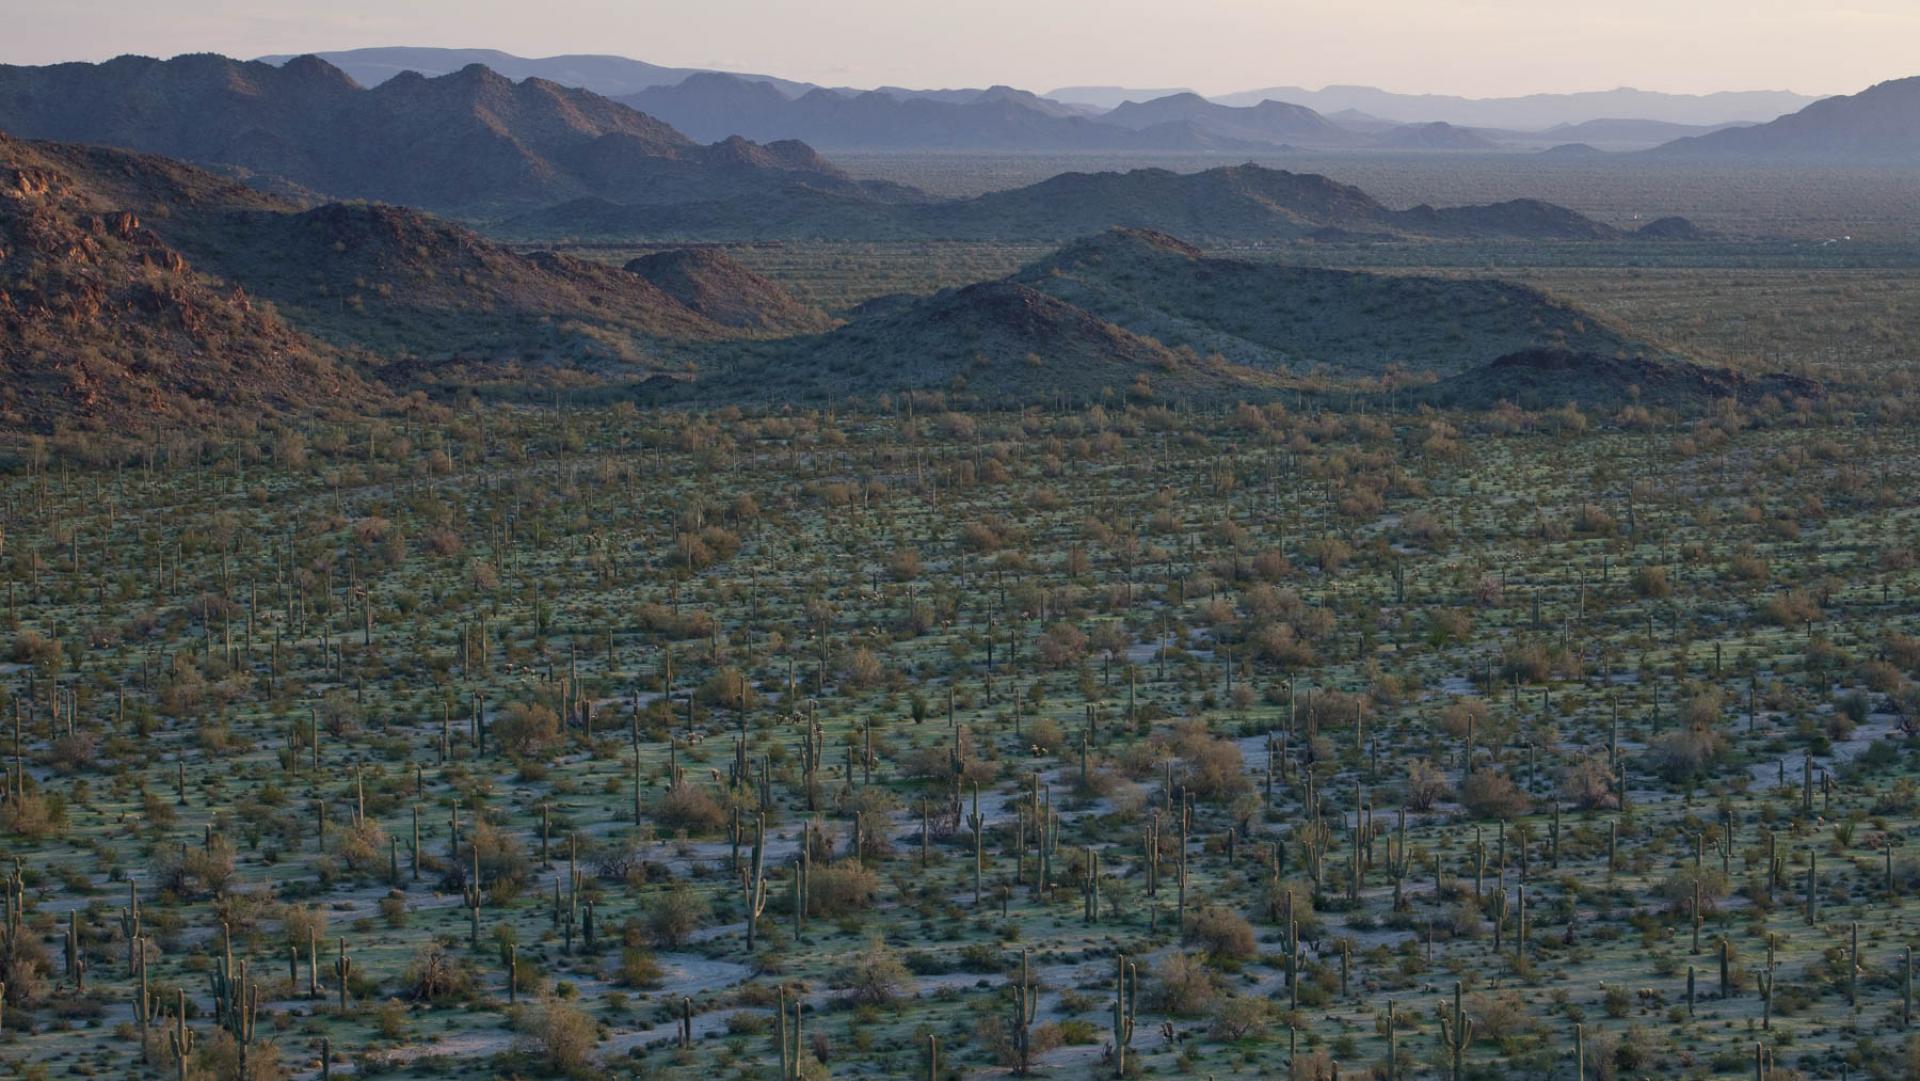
(472, 141)
(714, 106)
(1271, 122)
(1535, 112)
(1508, 121)
(1241, 203)
(608, 76)
(1878, 126)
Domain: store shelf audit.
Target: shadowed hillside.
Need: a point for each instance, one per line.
(1303, 317)
(995, 342)
(1549, 378)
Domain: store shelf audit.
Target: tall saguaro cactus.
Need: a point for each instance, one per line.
(1026, 1000)
(1456, 1031)
(1126, 996)
(755, 885)
(343, 970)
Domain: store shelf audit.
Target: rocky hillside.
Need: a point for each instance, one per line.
(135, 286)
(471, 141)
(104, 324)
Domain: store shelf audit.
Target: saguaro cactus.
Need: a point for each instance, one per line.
(755, 885)
(180, 1040)
(473, 897)
(1456, 1032)
(1026, 999)
(1126, 996)
(343, 970)
(1090, 887)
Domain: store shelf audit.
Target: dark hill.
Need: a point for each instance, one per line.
(1672, 228)
(996, 342)
(1549, 378)
(469, 141)
(402, 283)
(716, 286)
(1238, 202)
(1301, 318)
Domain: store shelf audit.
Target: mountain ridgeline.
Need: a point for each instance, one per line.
(1237, 203)
(1878, 126)
(472, 141)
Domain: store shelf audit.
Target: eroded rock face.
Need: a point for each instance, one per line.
(28, 183)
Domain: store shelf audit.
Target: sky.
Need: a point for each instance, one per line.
(1473, 47)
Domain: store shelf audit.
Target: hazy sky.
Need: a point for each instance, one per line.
(1476, 47)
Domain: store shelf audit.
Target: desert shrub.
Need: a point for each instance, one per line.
(876, 976)
(1651, 582)
(390, 1020)
(839, 888)
(1221, 933)
(1499, 1015)
(526, 729)
(32, 647)
(362, 846)
(1311, 1066)
(1182, 985)
(1062, 646)
(218, 1056)
(1791, 609)
(1426, 786)
(36, 816)
(24, 967)
(1588, 784)
(638, 969)
(675, 913)
(503, 864)
(193, 872)
(1686, 754)
(436, 975)
(1239, 1017)
(563, 1036)
(1214, 768)
(687, 806)
(1046, 734)
(303, 923)
(1488, 793)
